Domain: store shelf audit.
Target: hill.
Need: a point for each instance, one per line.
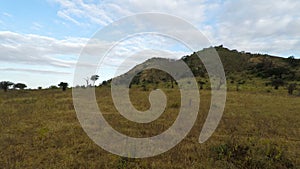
(238, 67)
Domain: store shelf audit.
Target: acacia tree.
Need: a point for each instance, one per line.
(5, 85)
(94, 78)
(63, 86)
(20, 86)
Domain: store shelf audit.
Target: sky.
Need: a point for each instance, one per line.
(41, 41)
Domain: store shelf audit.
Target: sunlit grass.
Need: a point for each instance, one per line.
(39, 129)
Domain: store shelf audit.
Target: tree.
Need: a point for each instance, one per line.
(20, 86)
(278, 72)
(94, 78)
(52, 87)
(5, 85)
(63, 86)
(104, 83)
(171, 80)
(292, 61)
(276, 82)
(291, 88)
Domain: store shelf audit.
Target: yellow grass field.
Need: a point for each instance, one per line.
(259, 129)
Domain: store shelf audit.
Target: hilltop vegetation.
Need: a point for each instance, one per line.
(239, 67)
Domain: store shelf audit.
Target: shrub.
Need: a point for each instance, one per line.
(252, 154)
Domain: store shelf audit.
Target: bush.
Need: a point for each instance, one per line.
(252, 154)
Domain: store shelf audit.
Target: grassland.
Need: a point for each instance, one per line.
(260, 129)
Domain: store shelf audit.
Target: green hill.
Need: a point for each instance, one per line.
(239, 67)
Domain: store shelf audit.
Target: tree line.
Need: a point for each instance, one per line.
(6, 85)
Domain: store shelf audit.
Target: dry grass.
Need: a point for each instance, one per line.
(39, 129)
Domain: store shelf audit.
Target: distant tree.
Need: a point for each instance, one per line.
(94, 78)
(277, 72)
(104, 83)
(53, 87)
(63, 86)
(292, 61)
(265, 64)
(136, 78)
(276, 82)
(40, 88)
(5, 85)
(171, 80)
(291, 88)
(20, 86)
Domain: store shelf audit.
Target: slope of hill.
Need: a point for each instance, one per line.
(237, 65)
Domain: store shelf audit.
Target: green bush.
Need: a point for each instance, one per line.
(251, 154)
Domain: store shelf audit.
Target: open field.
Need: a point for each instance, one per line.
(259, 129)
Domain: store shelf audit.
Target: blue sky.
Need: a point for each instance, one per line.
(40, 41)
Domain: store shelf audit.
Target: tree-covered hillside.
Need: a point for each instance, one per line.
(238, 66)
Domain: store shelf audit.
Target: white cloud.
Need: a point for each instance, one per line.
(105, 12)
(37, 50)
(7, 14)
(67, 17)
(270, 26)
(51, 54)
(78, 12)
(259, 26)
(34, 71)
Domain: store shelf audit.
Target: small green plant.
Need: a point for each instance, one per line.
(43, 131)
(123, 163)
(232, 152)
